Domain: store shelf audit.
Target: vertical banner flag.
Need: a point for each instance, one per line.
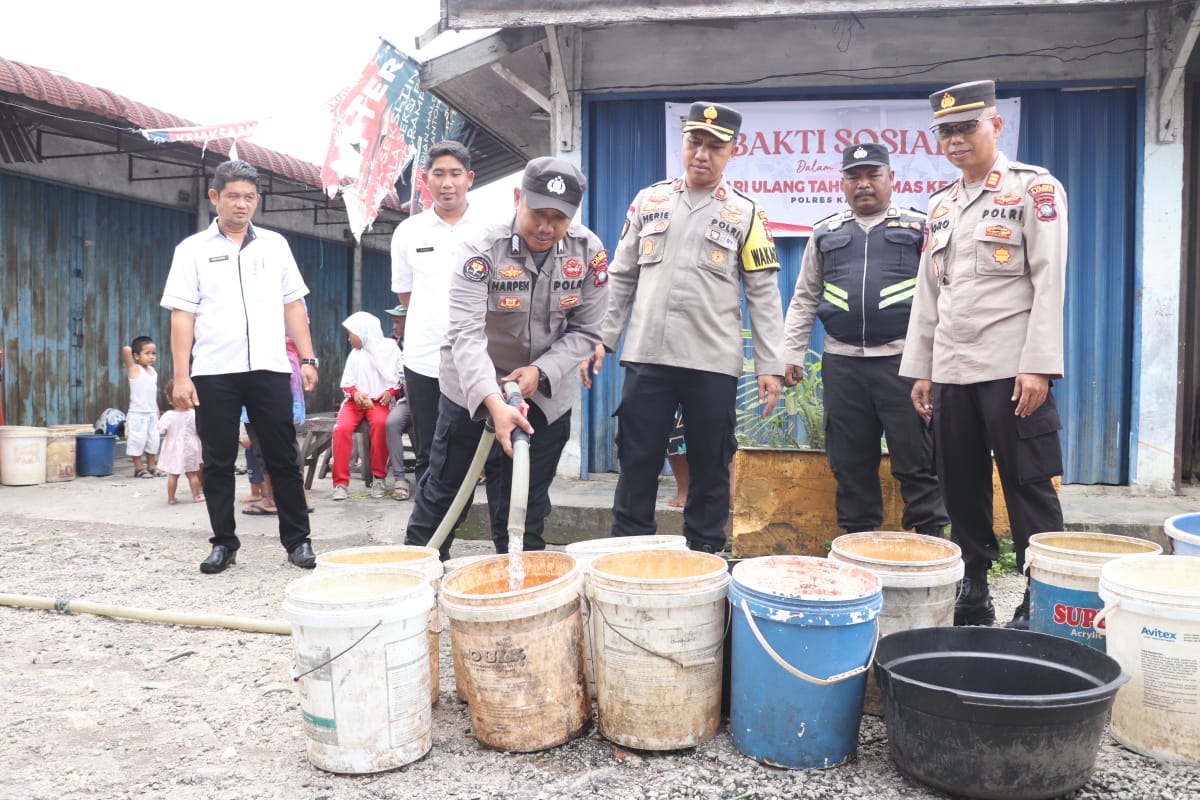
(376, 123)
(788, 155)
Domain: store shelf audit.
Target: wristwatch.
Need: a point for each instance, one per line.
(313, 362)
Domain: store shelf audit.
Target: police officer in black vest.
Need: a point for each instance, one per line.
(859, 275)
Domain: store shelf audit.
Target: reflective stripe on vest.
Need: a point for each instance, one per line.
(835, 296)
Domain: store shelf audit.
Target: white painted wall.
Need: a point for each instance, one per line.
(1156, 375)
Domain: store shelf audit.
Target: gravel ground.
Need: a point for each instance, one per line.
(103, 708)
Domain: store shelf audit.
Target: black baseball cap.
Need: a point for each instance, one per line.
(553, 183)
(865, 154)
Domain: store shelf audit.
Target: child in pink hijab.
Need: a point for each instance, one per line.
(372, 380)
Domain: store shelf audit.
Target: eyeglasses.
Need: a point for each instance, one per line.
(952, 129)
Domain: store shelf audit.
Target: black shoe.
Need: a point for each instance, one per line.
(1020, 620)
(302, 556)
(220, 558)
(974, 603)
(700, 547)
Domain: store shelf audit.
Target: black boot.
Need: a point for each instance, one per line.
(1020, 620)
(974, 603)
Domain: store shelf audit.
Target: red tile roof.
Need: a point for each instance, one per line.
(43, 86)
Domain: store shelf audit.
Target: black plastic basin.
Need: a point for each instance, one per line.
(995, 713)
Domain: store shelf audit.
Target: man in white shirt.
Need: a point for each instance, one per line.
(423, 261)
(233, 291)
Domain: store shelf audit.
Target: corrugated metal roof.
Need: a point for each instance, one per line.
(43, 86)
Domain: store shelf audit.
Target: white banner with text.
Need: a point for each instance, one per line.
(789, 153)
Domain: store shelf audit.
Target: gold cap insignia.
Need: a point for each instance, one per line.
(710, 113)
(948, 100)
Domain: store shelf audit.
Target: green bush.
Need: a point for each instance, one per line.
(800, 408)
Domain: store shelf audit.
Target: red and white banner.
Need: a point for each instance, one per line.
(368, 147)
(789, 153)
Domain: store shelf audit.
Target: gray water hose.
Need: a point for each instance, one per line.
(512, 395)
(149, 614)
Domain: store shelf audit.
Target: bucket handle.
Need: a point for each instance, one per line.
(1096, 620)
(804, 676)
(330, 660)
(697, 661)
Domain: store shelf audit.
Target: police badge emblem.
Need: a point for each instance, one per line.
(556, 185)
(477, 269)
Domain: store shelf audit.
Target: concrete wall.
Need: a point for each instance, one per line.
(723, 54)
(1159, 281)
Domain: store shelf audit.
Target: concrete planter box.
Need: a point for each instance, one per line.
(784, 502)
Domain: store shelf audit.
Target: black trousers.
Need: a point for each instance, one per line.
(865, 398)
(423, 394)
(645, 418)
(267, 397)
(971, 422)
(454, 446)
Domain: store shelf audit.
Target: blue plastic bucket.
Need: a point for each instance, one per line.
(803, 632)
(94, 454)
(1184, 530)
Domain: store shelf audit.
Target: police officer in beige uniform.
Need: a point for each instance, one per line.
(985, 339)
(525, 305)
(689, 248)
(858, 276)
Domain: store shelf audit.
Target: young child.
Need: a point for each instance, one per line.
(180, 448)
(371, 380)
(141, 423)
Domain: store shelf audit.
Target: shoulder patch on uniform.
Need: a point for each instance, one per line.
(477, 269)
(758, 253)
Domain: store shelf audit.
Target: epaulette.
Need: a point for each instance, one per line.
(945, 188)
(741, 194)
(1022, 167)
(835, 220)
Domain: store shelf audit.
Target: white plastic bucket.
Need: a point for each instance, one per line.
(587, 551)
(362, 667)
(920, 576)
(1152, 620)
(60, 452)
(405, 557)
(22, 455)
(658, 620)
(1064, 579)
(1184, 530)
(517, 639)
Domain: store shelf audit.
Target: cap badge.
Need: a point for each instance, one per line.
(948, 100)
(710, 114)
(556, 185)
(860, 152)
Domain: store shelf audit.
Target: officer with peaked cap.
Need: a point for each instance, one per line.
(526, 302)
(858, 276)
(689, 248)
(985, 339)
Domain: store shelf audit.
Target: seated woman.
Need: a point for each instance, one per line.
(371, 381)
